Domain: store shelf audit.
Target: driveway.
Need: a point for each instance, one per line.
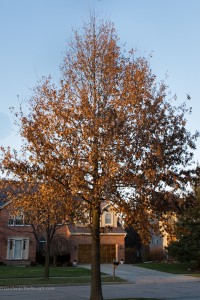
(141, 283)
(139, 275)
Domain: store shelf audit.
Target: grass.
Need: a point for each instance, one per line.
(173, 268)
(38, 271)
(53, 281)
(12, 276)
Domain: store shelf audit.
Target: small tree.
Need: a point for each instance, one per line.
(59, 247)
(107, 132)
(187, 245)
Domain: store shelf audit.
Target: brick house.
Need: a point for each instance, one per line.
(111, 238)
(17, 242)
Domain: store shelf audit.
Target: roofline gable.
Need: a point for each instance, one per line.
(5, 204)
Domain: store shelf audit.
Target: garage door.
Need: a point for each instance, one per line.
(107, 253)
(84, 253)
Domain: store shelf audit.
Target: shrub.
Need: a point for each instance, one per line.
(33, 264)
(194, 265)
(157, 254)
(131, 255)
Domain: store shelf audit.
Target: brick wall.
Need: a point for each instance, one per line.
(9, 232)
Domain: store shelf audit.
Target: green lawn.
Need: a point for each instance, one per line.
(11, 276)
(38, 271)
(170, 268)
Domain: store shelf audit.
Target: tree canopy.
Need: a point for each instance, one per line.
(107, 131)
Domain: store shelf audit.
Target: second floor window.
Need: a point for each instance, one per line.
(108, 218)
(17, 220)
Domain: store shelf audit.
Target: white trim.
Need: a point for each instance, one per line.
(123, 234)
(117, 252)
(5, 204)
(89, 234)
(81, 233)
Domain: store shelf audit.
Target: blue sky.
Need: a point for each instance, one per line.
(34, 35)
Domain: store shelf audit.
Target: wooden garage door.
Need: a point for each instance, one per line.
(84, 253)
(107, 253)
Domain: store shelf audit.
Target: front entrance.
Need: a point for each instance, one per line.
(108, 253)
(17, 249)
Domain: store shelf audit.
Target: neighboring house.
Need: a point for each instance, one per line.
(157, 247)
(160, 241)
(17, 242)
(111, 238)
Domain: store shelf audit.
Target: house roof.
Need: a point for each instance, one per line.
(8, 189)
(4, 199)
(78, 230)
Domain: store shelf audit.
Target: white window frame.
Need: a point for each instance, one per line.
(17, 220)
(110, 221)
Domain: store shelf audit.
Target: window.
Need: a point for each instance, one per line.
(16, 220)
(11, 220)
(108, 218)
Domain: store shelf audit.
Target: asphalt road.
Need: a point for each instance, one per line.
(141, 283)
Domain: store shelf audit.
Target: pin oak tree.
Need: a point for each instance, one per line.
(107, 131)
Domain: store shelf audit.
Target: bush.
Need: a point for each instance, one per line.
(157, 254)
(40, 258)
(33, 264)
(62, 259)
(131, 256)
(194, 265)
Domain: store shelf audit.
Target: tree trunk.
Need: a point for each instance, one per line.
(96, 289)
(47, 260)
